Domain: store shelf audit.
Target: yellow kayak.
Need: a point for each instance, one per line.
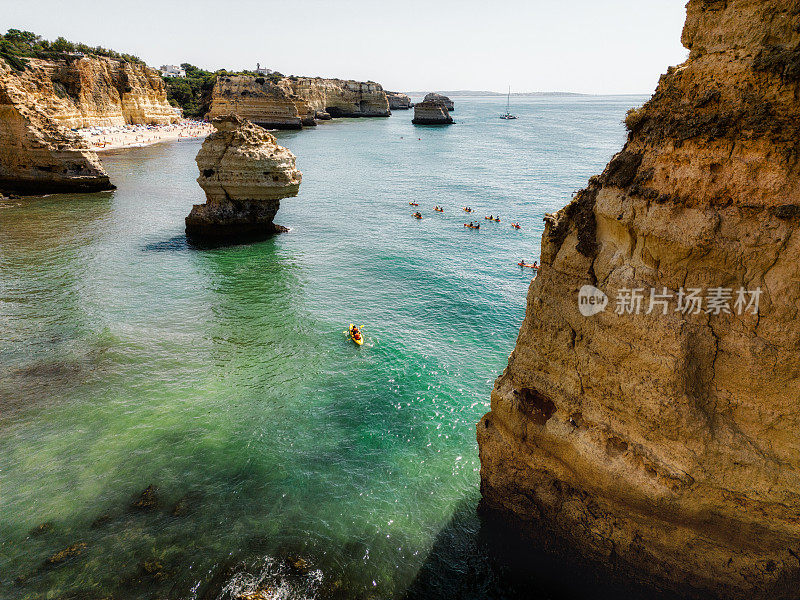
(358, 340)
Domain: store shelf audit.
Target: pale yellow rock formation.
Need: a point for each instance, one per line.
(434, 97)
(667, 445)
(399, 101)
(341, 98)
(290, 103)
(258, 100)
(96, 91)
(244, 174)
(431, 112)
(37, 155)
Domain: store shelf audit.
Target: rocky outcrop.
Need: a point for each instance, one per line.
(431, 113)
(37, 155)
(259, 100)
(341, 98)
(661, 439)
(398, 101)
(42, 102)
(434, 97)
(292, 102)
(244, 173)
(83, 92)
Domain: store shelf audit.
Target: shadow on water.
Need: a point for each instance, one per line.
(177, 243)
(182, 242)
(480, 555)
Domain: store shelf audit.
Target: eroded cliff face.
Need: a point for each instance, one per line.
(431, 112)
(399, 101)
(434, 97)
(96, 91)
(666, 444)
(37, 155)
(258, 100)
(244, 174)
(290, 103)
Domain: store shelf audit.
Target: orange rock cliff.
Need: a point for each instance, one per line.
(41, 103)
(666, 445)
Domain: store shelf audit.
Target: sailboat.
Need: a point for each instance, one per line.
(508, 115)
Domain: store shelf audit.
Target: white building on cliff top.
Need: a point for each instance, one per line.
(172, 71)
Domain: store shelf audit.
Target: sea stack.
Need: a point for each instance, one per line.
(37, 155)
(244, 173)
(433, 112)
(659, 436)
(434, 97)
(398, 101)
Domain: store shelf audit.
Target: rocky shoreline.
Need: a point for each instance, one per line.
(39, 105)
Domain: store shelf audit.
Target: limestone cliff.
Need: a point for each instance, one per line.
(431, 112)
(259, 100)
(341, 98)
(434, 97)
(664, 441)
(290, 103)
(37, 155)
(399, 101)
(244, 174)
(82, 92)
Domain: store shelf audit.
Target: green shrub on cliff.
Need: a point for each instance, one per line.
(634, 117)
(192, 93)
(26, 44)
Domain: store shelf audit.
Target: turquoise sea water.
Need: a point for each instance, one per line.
(223, 377)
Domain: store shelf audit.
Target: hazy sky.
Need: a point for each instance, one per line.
(594, 46)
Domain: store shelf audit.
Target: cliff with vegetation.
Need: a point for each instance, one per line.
(292, 102)
(659, 436)
(82, 92)
(80, 86)
(260, 100)
(37, 155)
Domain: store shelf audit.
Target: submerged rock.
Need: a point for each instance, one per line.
(434, 97)
(398, 101)
(185, 504)
(661, 440)
(101, 521)
(431, 113)
(244, 173)
(41, 529)
(298, 564)
(267, 593)
(147, 500)
(65, 554)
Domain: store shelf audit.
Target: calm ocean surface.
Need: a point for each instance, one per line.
(224, 378)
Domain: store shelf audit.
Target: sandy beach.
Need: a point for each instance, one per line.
(133, 136)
